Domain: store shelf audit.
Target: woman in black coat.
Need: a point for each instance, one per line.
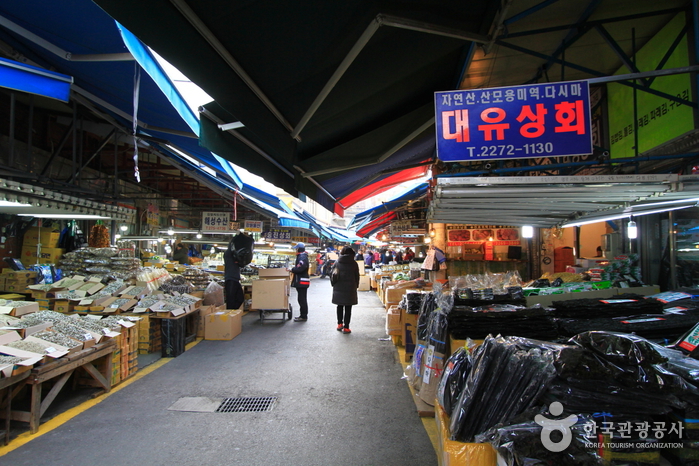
(345, 280)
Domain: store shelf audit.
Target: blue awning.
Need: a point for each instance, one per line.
(96, 63)
(25, 78)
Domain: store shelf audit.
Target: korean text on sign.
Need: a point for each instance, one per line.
(539, 120)
(216, 221)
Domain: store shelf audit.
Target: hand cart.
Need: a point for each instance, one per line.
(271, 295)
(264, 312)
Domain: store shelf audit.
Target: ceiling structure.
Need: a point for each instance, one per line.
(83, 149)
(335, 96)
(332, 100)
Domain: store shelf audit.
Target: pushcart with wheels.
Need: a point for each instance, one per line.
(286, 314)
(271, 296)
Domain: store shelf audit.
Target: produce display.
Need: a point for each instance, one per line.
(99, 236)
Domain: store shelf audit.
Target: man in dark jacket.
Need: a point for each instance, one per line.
(345, 280)
(301, 281)
(180, 254)
(234, 291)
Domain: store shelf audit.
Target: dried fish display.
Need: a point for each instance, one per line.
(10, 359)
(24, 345)
(198, 278)
(57, 338)
(73, 331)
(96, 326)
(41, 317)
(177, 284)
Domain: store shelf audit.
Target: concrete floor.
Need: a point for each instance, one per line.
(340, 401)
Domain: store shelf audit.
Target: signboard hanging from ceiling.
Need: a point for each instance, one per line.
(537, 120)
(216, 222)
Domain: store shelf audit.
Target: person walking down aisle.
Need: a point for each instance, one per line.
(301, 281)
(345, 280)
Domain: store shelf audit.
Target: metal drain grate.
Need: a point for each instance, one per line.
(243, 405)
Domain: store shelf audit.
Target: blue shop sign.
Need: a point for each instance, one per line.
(537, 120)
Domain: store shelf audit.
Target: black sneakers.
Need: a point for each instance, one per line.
(300, 319)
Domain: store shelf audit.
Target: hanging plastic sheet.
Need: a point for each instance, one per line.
(624, 305)
(456, 371)
(521, 445)
(666, 327)
(503, 319)
(506, 379)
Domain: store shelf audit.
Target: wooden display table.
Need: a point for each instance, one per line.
(6, 383)
(61, 370)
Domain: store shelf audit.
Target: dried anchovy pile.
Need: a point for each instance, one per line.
(73, 331)
(120, 302)
(111, 322)
(10, 360)
(41, 317)
(10, 303)
(57, 338)
(148, 302)
(93, 325)
(137, 290)
(182, 300)
(27, 346)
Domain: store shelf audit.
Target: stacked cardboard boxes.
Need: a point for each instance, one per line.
(49, 251)
(17, 281)
(149, 335)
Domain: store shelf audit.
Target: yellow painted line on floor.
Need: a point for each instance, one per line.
(59, 420)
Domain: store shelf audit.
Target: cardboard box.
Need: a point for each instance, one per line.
(393, 326)
(223, 325)
(13, 309)
(394, 295)
(274, 273)
(408, 324)
(270, 294)
(431, 373)
(453, 453)
(204, 311)
(47, 255)
(64, 305)
(10, 274)
(46, 236)
(15, 288)
(364, 283)
(361, 265)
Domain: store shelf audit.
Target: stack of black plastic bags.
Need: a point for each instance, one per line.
(504, 390)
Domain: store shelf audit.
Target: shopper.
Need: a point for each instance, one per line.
(409, 255)
(180, 255)
(398, 257)
(344, 279)
(301, 281)
(369, 259)
(231, 275)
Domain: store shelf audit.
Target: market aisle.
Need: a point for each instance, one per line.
(341, 401)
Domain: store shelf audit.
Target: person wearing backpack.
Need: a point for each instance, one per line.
(344, 279)
(301, 281)
(237, 255)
